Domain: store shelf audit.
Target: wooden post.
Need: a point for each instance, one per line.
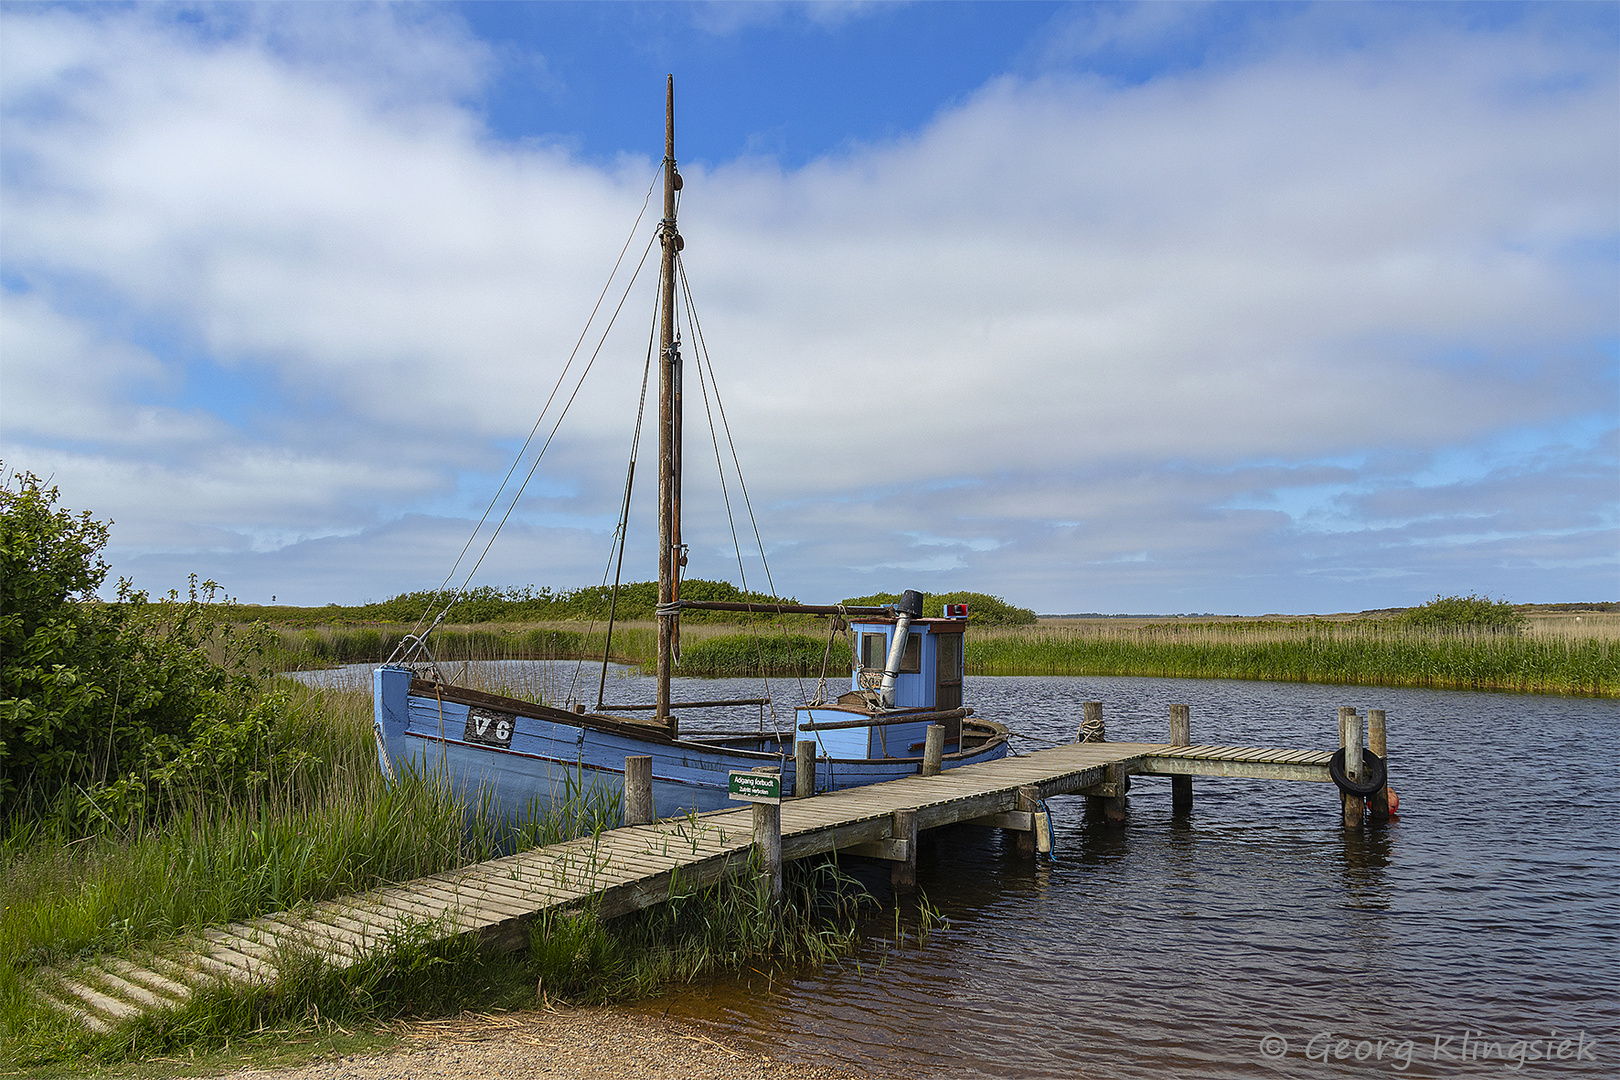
(804, 768)
(933, 750)
(1350, 740)
(1091, 731)
(1091, 723)
(1029, 801)
(1378, 743)
(638, 796)
(903, 875)
(1114, 805)
(1180, 735)
(768, 846)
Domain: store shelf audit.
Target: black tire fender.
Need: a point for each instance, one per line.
(1373, 774)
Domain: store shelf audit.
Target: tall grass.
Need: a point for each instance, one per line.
(580, 959)
(1565, 655)
(1364, 652)
(296, 648)
(764, 652)
(331, 828)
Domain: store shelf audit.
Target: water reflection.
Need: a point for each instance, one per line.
(1172, 944)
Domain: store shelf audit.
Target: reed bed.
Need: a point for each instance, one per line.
(335, 827)
(581, 960)
(776, 654)
(634, 642)
(1559, 654)
(1363, 652)
(331, 828)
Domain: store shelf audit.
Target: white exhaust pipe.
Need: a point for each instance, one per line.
(909, 607)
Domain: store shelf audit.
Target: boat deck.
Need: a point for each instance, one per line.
(629, 868)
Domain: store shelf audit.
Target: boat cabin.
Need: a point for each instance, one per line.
(928, 680)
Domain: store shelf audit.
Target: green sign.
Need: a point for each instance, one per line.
(755, 787)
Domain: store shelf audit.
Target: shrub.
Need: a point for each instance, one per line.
(983, 609)
(1465, 613)
(106, 707)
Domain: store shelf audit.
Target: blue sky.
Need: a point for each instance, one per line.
(1163, 307)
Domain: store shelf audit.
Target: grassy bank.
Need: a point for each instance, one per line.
(333, 827)
(634, 642)
(1573, 660)
(1563, 655)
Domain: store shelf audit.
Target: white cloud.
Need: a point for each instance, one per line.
(1145, 309)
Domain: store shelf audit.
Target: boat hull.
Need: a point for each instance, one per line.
(518, 758)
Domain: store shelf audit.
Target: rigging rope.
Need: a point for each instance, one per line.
(726, 424)
(622, 532)
(561, 415)
(417, 633)
(703, 359)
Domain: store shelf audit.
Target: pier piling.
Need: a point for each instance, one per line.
(768, 846)
(1113, 806)
(1029, 802)
(903, 873)
(1355, 807)
(638, 796)
(1091, 723)
(933, 750)
(1180, 735)
(804, 768)
(1378, 743)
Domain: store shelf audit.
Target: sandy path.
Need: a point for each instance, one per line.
(571, 1044)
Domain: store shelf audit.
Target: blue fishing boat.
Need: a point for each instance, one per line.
(906, 676)
(516, 751)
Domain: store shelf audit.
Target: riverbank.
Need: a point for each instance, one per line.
(335, 826)
(1564, 653)
(567, 1044)
(1568, 655)
(562, 1044)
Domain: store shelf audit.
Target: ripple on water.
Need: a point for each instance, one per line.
(1169, 947)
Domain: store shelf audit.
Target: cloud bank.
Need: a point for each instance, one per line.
(1308, 326)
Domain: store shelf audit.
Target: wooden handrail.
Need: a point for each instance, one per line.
(689, 705)
(889, 720)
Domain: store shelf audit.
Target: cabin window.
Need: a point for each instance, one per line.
(911, 659)
(948, 674)
(875, 653)
(949, 657)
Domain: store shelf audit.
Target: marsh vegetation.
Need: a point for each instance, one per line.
(159, 777)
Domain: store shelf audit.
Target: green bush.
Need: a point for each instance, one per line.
(1465, 613)
(105, 708)
(983, 609)
(489, 603)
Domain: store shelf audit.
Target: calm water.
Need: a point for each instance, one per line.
(1257, 936)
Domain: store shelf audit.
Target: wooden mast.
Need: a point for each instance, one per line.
(669, 425)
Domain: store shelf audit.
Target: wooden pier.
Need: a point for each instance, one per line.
(625, 869)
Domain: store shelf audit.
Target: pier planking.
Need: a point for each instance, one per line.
(633, 867)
